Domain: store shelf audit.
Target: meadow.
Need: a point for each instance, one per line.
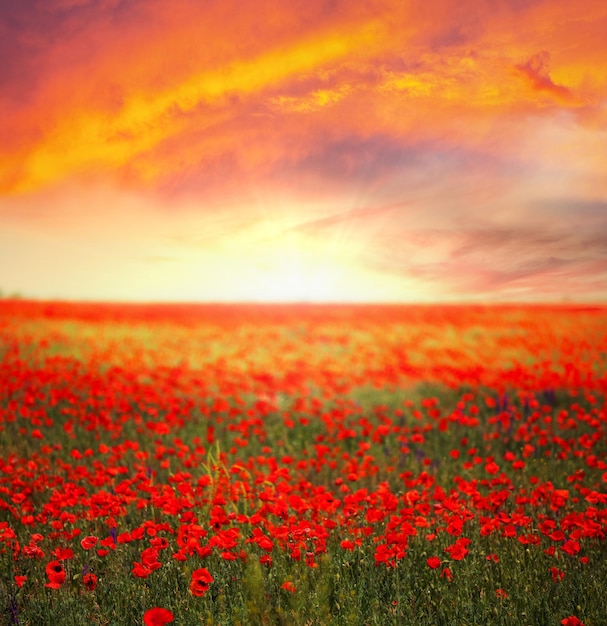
(302, 465)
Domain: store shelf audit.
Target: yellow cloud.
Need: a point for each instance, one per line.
(92, 140)
(310, 102)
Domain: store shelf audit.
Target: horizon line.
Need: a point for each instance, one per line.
(301, 303)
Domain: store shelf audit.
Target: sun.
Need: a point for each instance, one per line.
(303, 271)
(276, 263)
(297, 277)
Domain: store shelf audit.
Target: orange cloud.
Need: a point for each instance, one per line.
(157, 84)
(174, 88)
(536, 69)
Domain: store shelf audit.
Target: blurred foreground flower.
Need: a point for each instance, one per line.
(157, 617)
(572, 620)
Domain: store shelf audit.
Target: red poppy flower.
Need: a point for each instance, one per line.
(346, 544)
(265, 544)
(63, 554)
(55, 574)
(89, 542)
(149, 558)
(571, 547)
(288, 586)
(157, 617)
(572, 620)
(492, 467)
(90, 581)
(447, 574)
(459, 549)
(433, 562)
(140, 570)
(557, 574)
(20, 580)
(201, 581)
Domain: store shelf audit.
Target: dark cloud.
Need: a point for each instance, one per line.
(575, 207)
(397, 169)
(494, 259)
(34, 32)
(355, 158)
(540, 276)
(21, 48)
(495, 239)
(453, 24)
(331, 165)
(524, 244)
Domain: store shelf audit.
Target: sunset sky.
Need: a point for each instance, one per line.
(359, 150)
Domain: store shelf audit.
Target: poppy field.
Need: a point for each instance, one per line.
(328, 464)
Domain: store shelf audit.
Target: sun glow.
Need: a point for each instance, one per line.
(301, 272)
(293, 274)
(296, 282)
